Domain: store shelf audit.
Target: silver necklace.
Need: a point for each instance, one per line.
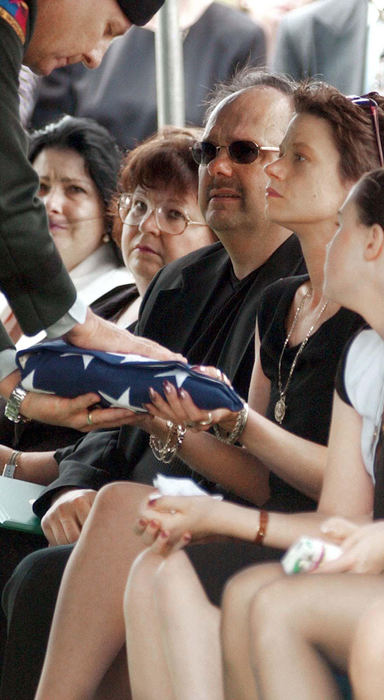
(281, 405)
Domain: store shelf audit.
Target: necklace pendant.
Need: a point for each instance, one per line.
(280, 407)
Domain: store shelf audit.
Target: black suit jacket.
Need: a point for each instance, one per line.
(194, 306)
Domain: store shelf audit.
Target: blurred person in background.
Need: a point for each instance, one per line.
(339, 41)
(268, 13)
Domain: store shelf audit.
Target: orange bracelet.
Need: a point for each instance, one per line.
(262, 527)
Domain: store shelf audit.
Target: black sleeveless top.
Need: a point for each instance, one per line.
(310, 392)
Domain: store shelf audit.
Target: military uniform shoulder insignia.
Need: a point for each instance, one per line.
(15, 12)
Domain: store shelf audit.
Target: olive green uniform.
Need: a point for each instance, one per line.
(32, 275)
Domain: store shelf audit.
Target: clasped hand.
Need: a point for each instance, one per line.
(362, 547)
(168, 523)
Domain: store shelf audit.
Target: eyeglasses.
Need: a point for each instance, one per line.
(169, 219)
(243, 152)
(365, 101)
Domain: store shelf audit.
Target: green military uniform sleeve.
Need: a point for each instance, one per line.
(32, 275)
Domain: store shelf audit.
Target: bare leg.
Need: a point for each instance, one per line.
(172, 632)
(88, 627)
(299, 625)
(238, 595)
(367, 655)
(148, 669)
(190, 626)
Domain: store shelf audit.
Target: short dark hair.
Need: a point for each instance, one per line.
(369, 198)
(351, 125)
(94, 144)
(163, 160)
(244, 79)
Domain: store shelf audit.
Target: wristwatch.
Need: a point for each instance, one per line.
(10, 466)
(12, 407)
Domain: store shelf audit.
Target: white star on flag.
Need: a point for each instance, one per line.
(87, 359)
(179, 374)
(122, 401)
(28, 384)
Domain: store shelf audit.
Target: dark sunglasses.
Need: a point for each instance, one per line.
(242, 152)
(365, 101)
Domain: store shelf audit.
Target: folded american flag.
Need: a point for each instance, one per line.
(120, 380)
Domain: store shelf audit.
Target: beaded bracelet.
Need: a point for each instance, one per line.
(239, 426)
(166, 451)
(263, 522)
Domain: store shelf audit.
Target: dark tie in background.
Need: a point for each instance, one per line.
(378, 468)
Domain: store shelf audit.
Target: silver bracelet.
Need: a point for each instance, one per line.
(12, 407)
(11, 465)
(166, 451)
(233, 436)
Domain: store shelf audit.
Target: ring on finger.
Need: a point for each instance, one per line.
(89, 418)
(206, 422)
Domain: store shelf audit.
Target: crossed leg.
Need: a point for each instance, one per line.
(296, 630)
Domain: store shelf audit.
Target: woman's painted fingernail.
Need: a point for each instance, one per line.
(164, 534)
(152, 393)
(154, 523)
(182, 394)
(187, 537)
(167, 387)
(143, 522)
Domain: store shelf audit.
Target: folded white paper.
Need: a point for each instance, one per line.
(173, 486)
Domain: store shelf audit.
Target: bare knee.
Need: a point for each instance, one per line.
(240, 591)
(270, 609)
(169, 581)
(141, 581)
(278, 612)
(119, 498)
